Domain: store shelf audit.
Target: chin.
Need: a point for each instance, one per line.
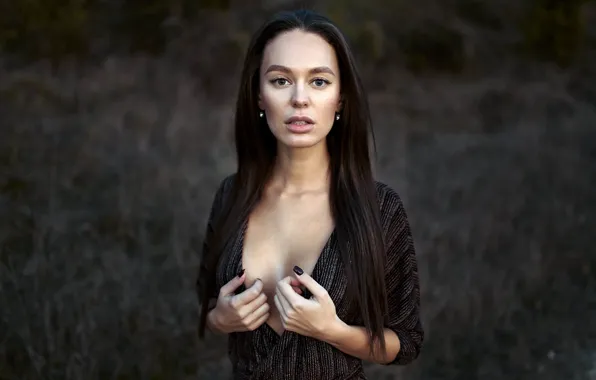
(300, 141)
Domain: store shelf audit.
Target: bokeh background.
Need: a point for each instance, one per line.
(115, 129)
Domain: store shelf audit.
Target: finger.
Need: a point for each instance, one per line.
(285, 303)
(296, 285)
(280, 309)
(284, 289)
(248, 295)
(256, 324)
(256, 315)
(233, 284)
(252, 306)
(314, 287)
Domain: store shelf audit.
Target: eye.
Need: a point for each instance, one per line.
(320, 82)
(279, 81)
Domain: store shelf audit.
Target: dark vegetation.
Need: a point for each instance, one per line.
(115, 124)
(427, 34)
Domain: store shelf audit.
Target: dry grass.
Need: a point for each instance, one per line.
(107, 173)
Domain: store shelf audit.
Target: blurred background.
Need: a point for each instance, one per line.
(115, 129)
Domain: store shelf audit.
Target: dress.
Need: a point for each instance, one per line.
(263, 354)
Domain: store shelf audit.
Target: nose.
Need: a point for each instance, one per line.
(300, 96)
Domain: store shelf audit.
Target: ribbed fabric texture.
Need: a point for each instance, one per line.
(263, 354)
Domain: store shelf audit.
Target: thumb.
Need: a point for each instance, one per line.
(305, 279)
(233, 284)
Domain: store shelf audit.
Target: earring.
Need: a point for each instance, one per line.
(337, 116)
(261, 114)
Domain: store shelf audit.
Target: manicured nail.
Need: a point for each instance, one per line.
(298, 270)
(306, 293)
(240, 272)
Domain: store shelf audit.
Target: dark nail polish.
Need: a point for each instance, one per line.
(240, 272)
(306, 293)
(240, 289)
(298, 270)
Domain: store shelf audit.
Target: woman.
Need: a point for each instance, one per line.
(308, 264)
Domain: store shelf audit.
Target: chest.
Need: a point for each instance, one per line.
(280, 236)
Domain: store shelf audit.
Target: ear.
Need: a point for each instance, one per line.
(260, 102)
(340, 104)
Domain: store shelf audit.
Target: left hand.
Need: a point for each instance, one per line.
(309, 317)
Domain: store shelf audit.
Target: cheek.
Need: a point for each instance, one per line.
(273, 100)
(328, 103)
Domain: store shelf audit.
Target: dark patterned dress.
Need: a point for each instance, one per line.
(264, 355)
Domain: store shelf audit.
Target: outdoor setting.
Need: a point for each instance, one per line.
(117, 126)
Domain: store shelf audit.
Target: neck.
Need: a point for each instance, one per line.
(301, 170)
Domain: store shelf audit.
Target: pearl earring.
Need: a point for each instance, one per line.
(336, 116)
(261, 114)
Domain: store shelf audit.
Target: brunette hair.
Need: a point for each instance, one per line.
(353, 198)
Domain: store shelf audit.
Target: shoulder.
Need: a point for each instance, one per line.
(394, 219)
(388, 199)
(225, 186)
(223, 191)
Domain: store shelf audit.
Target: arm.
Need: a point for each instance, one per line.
(404, 333)
(354, 341)
(211, 322)
(208, 301)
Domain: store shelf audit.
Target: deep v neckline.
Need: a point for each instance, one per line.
(315, 272)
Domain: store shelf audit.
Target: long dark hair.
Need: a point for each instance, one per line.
(352, 194)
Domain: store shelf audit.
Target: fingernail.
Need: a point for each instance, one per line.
(298, 270)
(306, 293)
(240, 289)
(258, 279)
(240, 272)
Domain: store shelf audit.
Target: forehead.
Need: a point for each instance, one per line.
(299, 50)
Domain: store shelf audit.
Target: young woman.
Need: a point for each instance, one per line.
(308, 263)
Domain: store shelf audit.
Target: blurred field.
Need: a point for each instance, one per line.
(107, 171)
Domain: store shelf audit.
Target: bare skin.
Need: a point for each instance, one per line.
(290, 226)
(292, 222)
(285, 230)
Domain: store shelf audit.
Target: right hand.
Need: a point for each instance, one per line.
(240, 312)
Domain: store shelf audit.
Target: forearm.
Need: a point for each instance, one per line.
(212, 320)
(355, 341)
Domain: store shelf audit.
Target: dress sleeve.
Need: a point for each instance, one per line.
(204, 275)
(401, 279)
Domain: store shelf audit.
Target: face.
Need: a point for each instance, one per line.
(299, 88)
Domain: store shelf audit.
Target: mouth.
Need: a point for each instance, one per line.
(299, 120)
(300, 124)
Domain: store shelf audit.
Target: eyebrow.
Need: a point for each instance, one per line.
(314, 70)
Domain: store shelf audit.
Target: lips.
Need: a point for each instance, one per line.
(300, 124)
(300, 120)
